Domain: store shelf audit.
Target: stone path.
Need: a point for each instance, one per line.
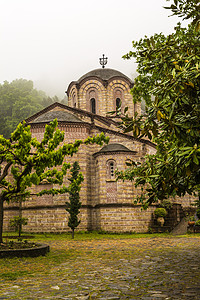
(145, 268)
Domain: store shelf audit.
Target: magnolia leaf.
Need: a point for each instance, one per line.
(197, 27)
(195, 159)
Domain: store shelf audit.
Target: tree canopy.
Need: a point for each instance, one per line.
(169, 83)
(19, 100)
(25, 161)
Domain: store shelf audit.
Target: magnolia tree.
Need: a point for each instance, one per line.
(169, 83)
(25, 161)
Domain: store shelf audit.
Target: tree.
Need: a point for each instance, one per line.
(25, 161)
(169, 82)
(74, 203)
(18, 101)
(17, 222)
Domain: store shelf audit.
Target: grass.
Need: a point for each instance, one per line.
(83, 247)
(94, 235)
(103, 259)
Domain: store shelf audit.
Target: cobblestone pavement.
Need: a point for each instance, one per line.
(145, 268)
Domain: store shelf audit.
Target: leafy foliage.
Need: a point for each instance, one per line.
(17, 222)
(18, 101)
(74, 203)
(169, 82)
(25, 161)
(160, 212)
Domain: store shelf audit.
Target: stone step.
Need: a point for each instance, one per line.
(181, 228)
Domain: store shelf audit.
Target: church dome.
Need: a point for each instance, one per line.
(100, 91)
(103, 74)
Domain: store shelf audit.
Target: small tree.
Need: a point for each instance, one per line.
(17, 222)
(74, 203)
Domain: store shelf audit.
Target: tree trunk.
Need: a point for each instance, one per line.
(73, 233)
(1, 219)
(20, 229)
(20, 215)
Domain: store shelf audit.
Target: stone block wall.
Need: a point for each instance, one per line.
(123, 218)
(46, 219)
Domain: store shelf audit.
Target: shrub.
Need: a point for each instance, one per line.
(160, 212)
(166, 204)
(197, 223)
(198, 212)
(17, 222)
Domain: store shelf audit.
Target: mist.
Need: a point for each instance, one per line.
(55, 42)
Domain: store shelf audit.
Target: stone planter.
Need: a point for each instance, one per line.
(27, 252)
(160, 221)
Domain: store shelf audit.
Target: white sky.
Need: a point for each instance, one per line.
(54, 42)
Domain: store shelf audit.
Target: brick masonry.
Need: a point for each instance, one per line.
(107, 204)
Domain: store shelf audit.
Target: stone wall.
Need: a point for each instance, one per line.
(122, 218)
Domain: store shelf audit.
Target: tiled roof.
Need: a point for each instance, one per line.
(114, 147)
(59, 115)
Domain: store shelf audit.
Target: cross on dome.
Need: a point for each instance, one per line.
(103, 61)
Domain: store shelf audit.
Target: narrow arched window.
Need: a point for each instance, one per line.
(111, 169)
(73, 100)
(118, 103)
(93, 105)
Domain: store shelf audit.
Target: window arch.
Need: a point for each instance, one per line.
(111, 166)
(111, 169)
(74, 100)
(92, 100)
(118, 96)
(118, 103)
(93, 105)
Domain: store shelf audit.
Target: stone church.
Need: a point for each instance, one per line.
(107, 204)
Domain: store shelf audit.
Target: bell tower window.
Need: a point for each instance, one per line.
(93, 105)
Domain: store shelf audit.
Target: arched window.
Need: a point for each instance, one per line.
(93, 105)
(112, 169)
(118, 103)
(92, 100)
(111, 166)
(74, 100)
(118, 97)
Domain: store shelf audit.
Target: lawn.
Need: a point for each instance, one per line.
(127, 263)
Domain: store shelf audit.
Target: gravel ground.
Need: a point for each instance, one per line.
(144, 268)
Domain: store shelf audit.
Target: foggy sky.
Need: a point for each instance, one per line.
(54, 42)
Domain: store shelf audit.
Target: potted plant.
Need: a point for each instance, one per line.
(191, 221)
(160, 214)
